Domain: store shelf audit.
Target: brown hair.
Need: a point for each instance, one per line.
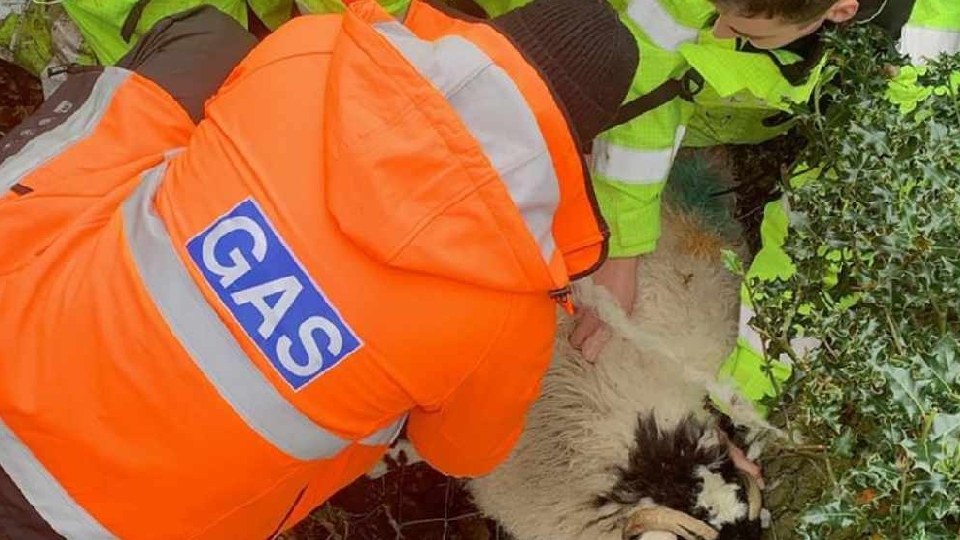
(795, 11)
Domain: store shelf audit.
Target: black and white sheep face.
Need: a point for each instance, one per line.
(680, 484)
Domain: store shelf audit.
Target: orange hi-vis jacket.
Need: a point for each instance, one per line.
(205, 331)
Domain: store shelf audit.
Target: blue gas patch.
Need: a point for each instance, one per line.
(256, 276)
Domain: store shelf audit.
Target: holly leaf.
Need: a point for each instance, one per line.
(904, 389)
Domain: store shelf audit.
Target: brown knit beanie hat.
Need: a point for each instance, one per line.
(583, 51)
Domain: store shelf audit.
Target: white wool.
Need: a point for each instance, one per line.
(709, 439)
(739, 409)
(582, 427)
(720, 499)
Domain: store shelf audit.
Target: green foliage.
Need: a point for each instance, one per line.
(875, 237)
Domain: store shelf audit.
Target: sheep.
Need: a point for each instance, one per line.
(625, 448)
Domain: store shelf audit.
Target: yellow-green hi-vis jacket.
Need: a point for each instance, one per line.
(737, 96)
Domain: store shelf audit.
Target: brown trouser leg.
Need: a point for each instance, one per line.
(190, 54)
(18, 519)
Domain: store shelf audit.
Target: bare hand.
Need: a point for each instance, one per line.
(619, 277)
(741, 461)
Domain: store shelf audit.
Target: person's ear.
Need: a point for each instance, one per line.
(843, 11)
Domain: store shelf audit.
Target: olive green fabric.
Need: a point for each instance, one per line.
(25, 37)
(37, 36)
(273, 13)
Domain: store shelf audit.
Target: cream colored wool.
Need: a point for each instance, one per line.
(582, 428)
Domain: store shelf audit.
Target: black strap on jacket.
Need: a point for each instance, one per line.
(133, 20)
(686, 87)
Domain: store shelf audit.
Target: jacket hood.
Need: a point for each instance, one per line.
(434, 163)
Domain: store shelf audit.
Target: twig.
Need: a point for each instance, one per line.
(393, 522)
(803, 448)
(814, 458)
(438, 520)
(893, 330)
(446, 508)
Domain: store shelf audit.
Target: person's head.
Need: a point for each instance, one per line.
(769, 24)
(583, 52)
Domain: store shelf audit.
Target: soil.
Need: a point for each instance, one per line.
(412, 502)
(20, 94)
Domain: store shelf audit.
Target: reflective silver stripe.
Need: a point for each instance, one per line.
(634, 165)
(659, 25)
(42, 490)
(387, 435)
(802, 346)
(928, 43)
(496, 114)
(747, 332)
(210, 344)
(78, 126)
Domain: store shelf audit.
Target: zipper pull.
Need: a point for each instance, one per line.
(562, 297)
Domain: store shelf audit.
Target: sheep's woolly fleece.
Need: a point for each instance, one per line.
(720, 499)
(580, 433)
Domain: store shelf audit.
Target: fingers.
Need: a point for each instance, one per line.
(589, 336)
(619, 278)
(595, 343)
(588, 325)
(742, 462)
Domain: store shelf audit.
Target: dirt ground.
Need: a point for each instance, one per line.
(414, 502)
(411, 502)
(20, 94)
